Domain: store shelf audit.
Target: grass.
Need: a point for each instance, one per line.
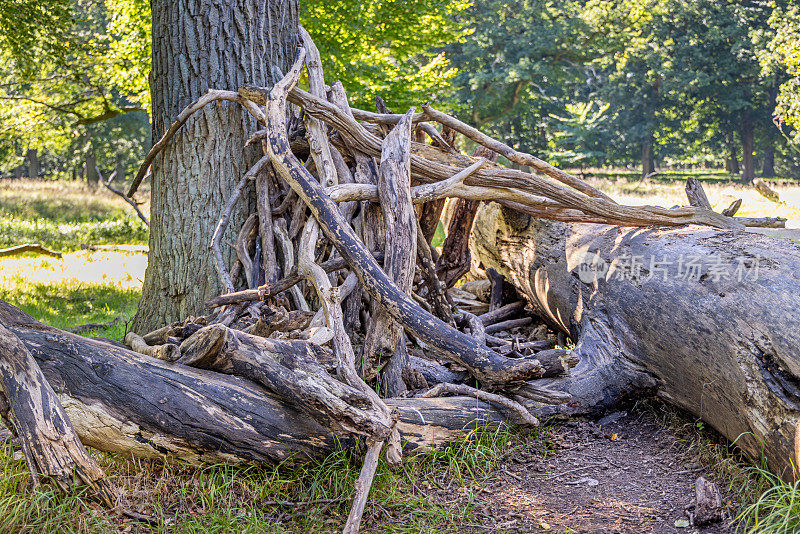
(64, 215)
(668, 190)
(223, 498)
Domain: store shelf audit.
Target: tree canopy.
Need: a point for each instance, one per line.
(581, 82)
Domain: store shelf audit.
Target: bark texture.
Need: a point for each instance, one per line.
(725, 349)
(200, 44)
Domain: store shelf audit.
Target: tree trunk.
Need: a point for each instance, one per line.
(768, 170)
(197, 45)
(732, 160)
(648, 161)
(690, 338)
(748, 138)
(33, 163)
(92, 178)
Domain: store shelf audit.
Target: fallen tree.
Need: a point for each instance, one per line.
(334, 257)
(711, 324)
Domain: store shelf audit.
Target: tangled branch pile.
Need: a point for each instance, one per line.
(338, 254)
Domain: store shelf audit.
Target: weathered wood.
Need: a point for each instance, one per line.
(696, 194)
(725, 349)
(291, 370)
(49, 442)
(766, 191)
(731, 210)
(28, 247)
(708, 503)
(504, 312)
(120, 401)
(272, 289)
(167, 353)
(455, 258)
(384, 340)
(492, 370)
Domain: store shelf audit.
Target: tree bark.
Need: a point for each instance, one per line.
(732, 161)
(33, 163)
(726, 350)
(200, 44)
(648, 160)
(768, 170)
(748, 140)
(92, 178)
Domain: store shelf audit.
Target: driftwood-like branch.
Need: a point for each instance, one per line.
(272, 289)
(363, 485)
(482, 362)
(511, 154)
(225, 218)
(462, 389)
(316, 131)
(28, 247)
(434, 164)
(123, 196)
(212, 95)
(384, 339)
(696, 194)
(165, 352)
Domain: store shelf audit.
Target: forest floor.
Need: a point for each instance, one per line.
(632, 471)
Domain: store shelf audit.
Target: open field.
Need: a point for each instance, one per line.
(450, 490)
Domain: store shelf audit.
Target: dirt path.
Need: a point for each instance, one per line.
(623, 474)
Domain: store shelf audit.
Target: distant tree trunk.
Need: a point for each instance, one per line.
(769, 161)
(768, 170)
(648, 161)
(748, 135)
(198, 44)
(92, 178)
(120, 169)
(33, 163)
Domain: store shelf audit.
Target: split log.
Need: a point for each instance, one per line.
(726, 349)
(384, 343)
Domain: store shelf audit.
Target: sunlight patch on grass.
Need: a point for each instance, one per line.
(720, 194)
(82, 287)
(63, 215)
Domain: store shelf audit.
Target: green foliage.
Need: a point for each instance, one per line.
(31, 28)
(783, 53)
(386, 48)
(681, 76)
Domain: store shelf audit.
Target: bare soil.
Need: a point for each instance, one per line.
(626, 473)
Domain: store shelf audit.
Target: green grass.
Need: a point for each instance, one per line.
(223, 498)
(64, 215)
(776, 511)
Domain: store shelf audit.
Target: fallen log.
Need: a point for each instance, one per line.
(710, 325)
(28, 247)
(120, 401)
